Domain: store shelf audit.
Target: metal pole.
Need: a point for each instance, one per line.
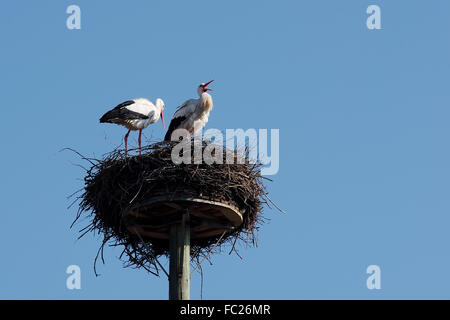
(180, 256)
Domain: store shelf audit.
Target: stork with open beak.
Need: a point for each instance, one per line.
(193, 114)
(135, 114)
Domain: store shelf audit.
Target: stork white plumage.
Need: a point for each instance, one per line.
(135, 114)
(193, 114)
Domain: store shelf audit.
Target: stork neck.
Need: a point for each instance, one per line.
(205, 95)
(206, 102)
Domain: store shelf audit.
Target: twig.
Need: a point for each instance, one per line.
(209, 252)
(149, 252)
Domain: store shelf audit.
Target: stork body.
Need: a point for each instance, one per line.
(193, 114)
(136, 114)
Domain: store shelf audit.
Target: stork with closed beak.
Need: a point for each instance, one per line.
(135, 114)
(193, 114)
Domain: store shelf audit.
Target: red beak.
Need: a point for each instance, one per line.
(205, 85)
(162, 118)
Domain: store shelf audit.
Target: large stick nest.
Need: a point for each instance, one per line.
(117, 182)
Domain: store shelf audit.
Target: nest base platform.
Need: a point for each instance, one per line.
(153, 218)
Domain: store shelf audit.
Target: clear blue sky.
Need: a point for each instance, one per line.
(364, 129)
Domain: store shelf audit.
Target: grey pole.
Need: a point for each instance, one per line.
(180, 256)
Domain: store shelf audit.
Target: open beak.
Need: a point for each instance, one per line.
(205, 86)
(162, 118)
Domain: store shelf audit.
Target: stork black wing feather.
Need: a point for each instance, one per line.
(120, 113)
(173, 126)
(124, 104)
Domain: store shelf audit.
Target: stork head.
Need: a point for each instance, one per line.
(203, 88)
(160, 104)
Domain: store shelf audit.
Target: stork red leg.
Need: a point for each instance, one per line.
(126, 142)
(140, 134)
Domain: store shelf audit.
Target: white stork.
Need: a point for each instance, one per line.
(193, 114)
(135, 114)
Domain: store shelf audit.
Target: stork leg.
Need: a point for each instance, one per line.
(126, 142)
(140, 134)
